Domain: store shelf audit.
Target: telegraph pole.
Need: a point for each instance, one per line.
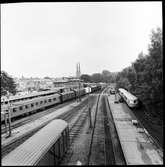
(8, 114)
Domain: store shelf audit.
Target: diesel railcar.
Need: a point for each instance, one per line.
(131, 100)
(45, 148)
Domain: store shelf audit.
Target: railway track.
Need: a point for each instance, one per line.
(26, 119)
(66, 116)
(75, 131)
(155, 130)
(110, 151)
(94, 126)
(104, 148)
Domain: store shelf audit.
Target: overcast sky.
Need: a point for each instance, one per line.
(48, 39)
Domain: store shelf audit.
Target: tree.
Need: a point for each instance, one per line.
(86, 77)
(47, 77)
(106, 76)
(7, 84)
(145, 77)
(96, 77)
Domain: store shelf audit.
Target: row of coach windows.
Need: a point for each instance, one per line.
(32, 105)
(21, 107)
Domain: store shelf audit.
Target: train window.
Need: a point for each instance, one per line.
(26, 106)
(41, 102)
(32, 105)
(50, 100)
(45, 101)
(20, 108)
(54, 99)
(14, 109)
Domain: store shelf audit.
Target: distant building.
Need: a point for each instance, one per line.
(36, 84)
(68, 83)
(33, 84)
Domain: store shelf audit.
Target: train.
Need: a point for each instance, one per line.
(131, 100)
(45, 148)
(30, 96)
(26, 107)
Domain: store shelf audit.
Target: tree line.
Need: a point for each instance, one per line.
(144, 77)
(8, 84)
(105, 76)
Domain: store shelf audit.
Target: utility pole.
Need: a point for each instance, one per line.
(5, 114)
(8, 115)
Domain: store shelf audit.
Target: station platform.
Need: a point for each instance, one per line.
(137, 145)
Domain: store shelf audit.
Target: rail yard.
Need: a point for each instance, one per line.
(82, 84)
(101, 131)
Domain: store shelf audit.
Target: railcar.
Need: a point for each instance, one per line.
(80, 92)
(112, 91)
(87, 90)
(65, 96)
(45, 148)
(93, 88)
(131, 100)
(17, 98)
(30, 106)
(99, 87)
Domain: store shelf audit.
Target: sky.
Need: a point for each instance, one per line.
(48, 39)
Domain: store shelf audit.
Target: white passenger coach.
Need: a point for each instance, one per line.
(129, 98)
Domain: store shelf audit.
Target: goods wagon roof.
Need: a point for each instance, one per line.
(81, 89)
(33, 94)
(32, 150)
(25, 102)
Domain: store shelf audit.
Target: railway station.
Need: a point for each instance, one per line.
(97, 131)
(82, 84)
